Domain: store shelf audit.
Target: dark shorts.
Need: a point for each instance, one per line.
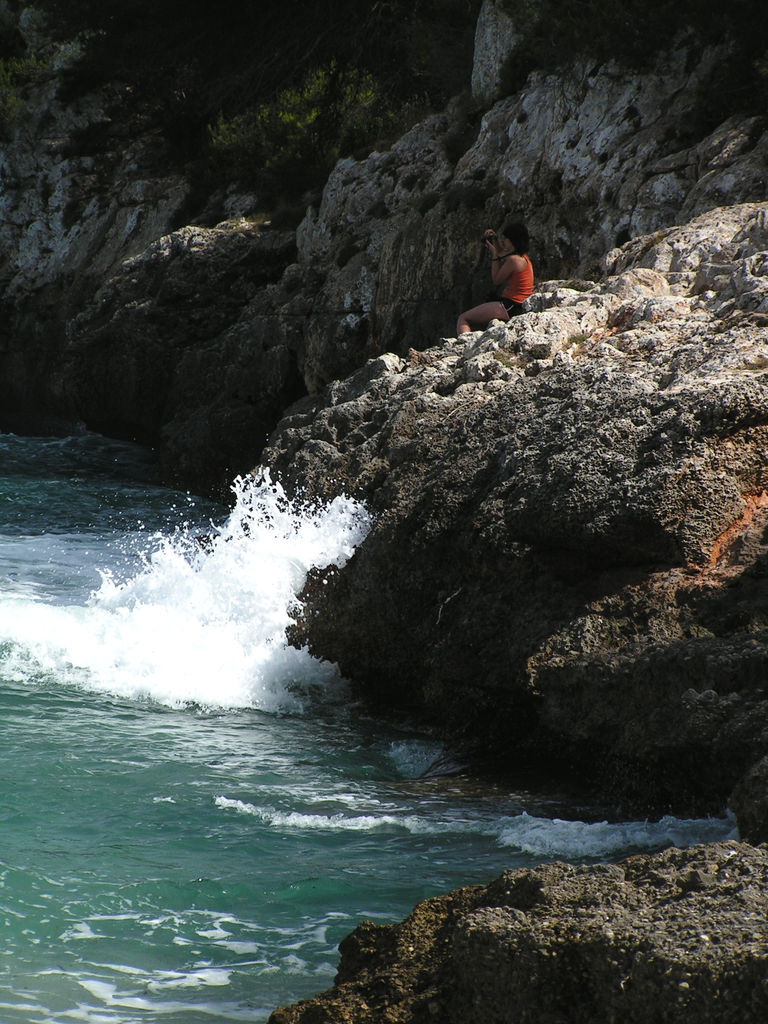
(512, 308)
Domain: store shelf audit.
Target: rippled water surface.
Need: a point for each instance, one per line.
(193, 814)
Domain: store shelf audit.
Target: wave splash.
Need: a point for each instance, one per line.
(203, 620)
(538, 838)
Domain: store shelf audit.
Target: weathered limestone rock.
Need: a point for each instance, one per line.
(366, 232)
(567, 557)
(494, 38)
(384, 262)
(680, 935)
(595, 159)
(588, 160)
(82, 184)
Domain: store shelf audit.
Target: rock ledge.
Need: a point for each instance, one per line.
(680, 935)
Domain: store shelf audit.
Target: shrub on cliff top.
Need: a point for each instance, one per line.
(288, 144)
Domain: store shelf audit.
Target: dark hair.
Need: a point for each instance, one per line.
(517, 234)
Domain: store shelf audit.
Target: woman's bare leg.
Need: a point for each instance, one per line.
(479, 316)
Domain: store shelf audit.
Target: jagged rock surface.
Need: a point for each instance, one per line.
(568, 560)
(680, 935)
(384, 262)
(588, 160)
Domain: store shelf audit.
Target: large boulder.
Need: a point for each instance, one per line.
(567, 559)
(680, 935)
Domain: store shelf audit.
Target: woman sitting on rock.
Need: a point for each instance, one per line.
(512, 275)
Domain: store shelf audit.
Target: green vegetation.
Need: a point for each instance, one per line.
(268, 93)
(293, 141)
(633, 32)
(504, 357)
(14, 73)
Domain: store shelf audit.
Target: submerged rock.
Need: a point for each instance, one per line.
(680, 935)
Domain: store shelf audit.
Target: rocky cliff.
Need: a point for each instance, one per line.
(111, 318)
(568, 558)
(570, 508)
(567, 566)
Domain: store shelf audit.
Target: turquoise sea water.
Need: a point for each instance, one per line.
(193, 815)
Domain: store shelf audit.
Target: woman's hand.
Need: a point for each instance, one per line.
(490, 238)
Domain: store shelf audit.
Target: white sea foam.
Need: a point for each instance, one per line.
(339, 822)
(197, 623)
(543, 838)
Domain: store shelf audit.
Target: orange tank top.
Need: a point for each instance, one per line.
(520, 284)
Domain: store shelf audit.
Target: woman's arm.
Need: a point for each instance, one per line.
(504, 265)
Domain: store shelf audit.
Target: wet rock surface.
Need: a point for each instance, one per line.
(680, 935)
